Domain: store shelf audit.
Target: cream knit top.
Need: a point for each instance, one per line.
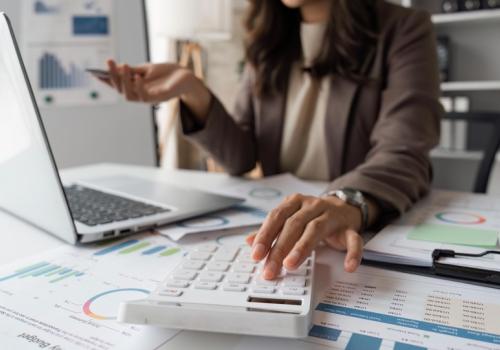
(303, 148)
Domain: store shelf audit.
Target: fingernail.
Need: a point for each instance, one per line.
(258, 251)
(352, 264)
(271, 270)
(293, 258)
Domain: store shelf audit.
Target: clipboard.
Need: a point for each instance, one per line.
(447, 263)
(445, 266)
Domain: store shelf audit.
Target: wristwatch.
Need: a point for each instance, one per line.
(355, 198)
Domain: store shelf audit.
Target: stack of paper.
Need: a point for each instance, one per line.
(261, 196)
(463, 222)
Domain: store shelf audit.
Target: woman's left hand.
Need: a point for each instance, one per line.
(299, 224)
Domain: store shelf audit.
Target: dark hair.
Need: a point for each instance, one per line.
(273, 41)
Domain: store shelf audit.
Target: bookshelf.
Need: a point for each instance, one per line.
(480, 16)
(474, 72)
(464, 86)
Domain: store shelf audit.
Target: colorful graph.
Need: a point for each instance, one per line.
(265, 193)
(53, 75)
(138, 246)
(130, 293)
(54, 273)
(461, 218)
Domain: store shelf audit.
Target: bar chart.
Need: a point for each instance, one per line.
(52, 272)
(53, 74)
(144, 248)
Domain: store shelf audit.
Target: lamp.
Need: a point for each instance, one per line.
(187, 22)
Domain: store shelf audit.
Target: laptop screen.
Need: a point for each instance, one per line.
(29, 183)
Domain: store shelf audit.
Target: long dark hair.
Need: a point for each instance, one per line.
(273, 41)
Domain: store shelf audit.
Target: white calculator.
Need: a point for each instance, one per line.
(219, 289)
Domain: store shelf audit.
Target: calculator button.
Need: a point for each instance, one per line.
(233, 287)
(294, 281)
(226, 255)
(211, 276)
(306, 263)
(177, 283)
(205, 285)
(263, 289)
(217, 266)
(170, 292)
(243, 267)
(192, 265)
(262, 282)
(184, 275)
(207, 248)
(246, 257)
(199, 256)
(301, 271)
(238, 278)
(293, 291)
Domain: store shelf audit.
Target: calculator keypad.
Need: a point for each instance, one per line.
(210, 267)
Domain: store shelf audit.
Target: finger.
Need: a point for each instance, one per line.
(272, 226)
(354, 245)
(292, 231)
(315, 231)
(140, 70)
(127, 85)
(250, 238)
(139, 89)
(115, 75)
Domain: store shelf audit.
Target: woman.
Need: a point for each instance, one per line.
(344, 91)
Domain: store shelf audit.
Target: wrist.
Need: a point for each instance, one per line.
(197, 99)
(355, 199)
(352, 215)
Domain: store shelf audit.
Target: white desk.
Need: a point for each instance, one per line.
(22, 240)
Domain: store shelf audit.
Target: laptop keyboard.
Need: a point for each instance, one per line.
(93, 207)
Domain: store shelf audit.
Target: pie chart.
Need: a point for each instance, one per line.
(460, 218)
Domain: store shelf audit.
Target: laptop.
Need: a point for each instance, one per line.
(80, 211)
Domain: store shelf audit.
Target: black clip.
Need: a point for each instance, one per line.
(464, 272)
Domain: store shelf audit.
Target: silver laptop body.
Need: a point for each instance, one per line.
(31, 189)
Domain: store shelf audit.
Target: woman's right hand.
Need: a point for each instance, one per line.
(155, 83)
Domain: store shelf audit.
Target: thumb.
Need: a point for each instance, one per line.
(354, 246)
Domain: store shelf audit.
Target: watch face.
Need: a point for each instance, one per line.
(353, 194)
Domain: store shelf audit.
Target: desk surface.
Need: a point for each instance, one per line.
(16, 234)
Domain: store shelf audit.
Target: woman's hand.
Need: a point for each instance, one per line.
(299, 224)
(155, 83)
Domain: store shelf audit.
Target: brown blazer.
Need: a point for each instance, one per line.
(379, 134)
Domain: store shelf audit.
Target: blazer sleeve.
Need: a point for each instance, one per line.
(229, 139)
(397, 169)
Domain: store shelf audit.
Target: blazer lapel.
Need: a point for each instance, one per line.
(342, 94)
(338, 114)
(270, 118)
